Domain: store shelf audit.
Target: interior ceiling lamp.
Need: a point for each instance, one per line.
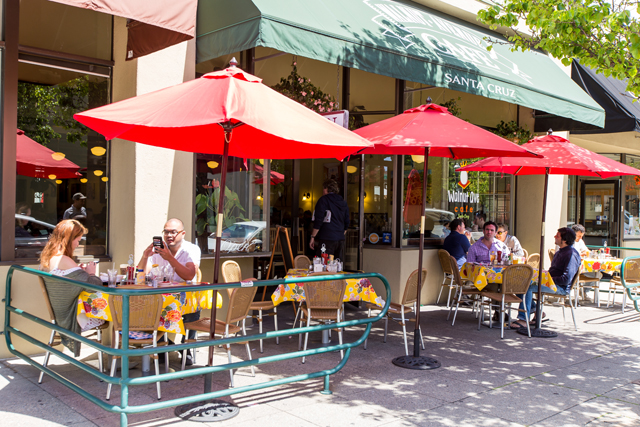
(58, 181)
(306, 196)
(52, 176)
(105, 179)
(98, 173)
(57, 156)
(98, 151)
(212, 164)
(417, 159)
(352, 169)
(83, 180)
(259, 196)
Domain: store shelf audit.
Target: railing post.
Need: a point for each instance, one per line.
(124, 361)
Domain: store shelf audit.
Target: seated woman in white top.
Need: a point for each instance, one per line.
(56, 259)
(511, 241)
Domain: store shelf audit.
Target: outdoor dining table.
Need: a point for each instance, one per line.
(607, 265)
(357, 290)
(174, 305)
(481, 275)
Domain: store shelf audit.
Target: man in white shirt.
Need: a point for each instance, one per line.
(182, 256)
(579, 245)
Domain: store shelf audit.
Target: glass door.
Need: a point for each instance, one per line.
(352, 196)
(599, 212)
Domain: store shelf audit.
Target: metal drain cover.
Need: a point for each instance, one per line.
(416, 362)
(205, 412)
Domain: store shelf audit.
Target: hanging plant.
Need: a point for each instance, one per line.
(301, 90)
(513, 132)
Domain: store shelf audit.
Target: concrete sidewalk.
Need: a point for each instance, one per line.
(589, 377)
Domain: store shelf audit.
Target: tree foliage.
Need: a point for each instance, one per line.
(602, 34)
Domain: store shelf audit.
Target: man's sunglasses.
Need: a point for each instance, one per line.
(500, 233)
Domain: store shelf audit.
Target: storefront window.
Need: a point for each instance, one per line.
(61, 165)
(437, 217)
(244, 227)
(632, 200)
(572, 199)
(378, 199)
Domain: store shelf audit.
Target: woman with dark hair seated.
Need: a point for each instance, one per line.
(56, 260)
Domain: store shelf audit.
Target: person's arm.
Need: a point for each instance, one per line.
(517, 247)
(568, 271)
(318, 218)
(464, 242)
(66, 215)
(144, 261)
(186, 272)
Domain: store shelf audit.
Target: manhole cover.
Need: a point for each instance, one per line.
(413, 362)
(204, 412)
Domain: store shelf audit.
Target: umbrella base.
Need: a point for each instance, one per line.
(416, 362)
(538, 333)
(207, 411)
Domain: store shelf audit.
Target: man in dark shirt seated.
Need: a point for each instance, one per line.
(456, 243)
(565, 265)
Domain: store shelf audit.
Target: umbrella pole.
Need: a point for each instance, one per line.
(416, 361)
(538, 332)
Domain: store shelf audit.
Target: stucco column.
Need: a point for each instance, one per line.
(148, 184)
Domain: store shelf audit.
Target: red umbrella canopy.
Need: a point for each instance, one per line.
(276, 177)
(443, 133)
(34, 160)
(560, 156)
(186, 117)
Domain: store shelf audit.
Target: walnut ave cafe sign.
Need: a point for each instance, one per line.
(457, 196)
(458, 51)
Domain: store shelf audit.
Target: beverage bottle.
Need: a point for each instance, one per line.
(606, 249)
(131, 271)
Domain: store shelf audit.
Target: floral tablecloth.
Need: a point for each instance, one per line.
(481, 275)
(357, 290)
(174, 305)
(608, 266)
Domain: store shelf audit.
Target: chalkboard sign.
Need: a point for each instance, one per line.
(282, 237)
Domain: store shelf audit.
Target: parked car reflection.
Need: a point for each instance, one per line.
(239, 237)
(31, 236)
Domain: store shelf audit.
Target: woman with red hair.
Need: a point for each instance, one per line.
(56, 260)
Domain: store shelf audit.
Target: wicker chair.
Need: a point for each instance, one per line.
(515, 280)
(406, 306)
(144, 314)
(564, 299)
(534, 260)
(199, 275)
(551, 253)
(323, 302)
(631, 275)
(302, 261)
(239, 305)
(462, 291)
(54, 338)
(231, 273)
(447, 272)
(526, 253)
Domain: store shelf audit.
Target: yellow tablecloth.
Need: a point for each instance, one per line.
(357, 290)
(608, 266)
(95, 304)
(481, 275)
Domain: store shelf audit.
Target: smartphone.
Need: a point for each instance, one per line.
(157, 242)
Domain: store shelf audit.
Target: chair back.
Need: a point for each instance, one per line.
(455, 273)
(327, 295)
(444, 256)
(576, 279)
(534, 260)
(526, 254)
(240, 300)
(231, 272)
(199, 275)
(632, 270)
(144, 312)
(516, 279)
(47, 302)
(411, 288)
(301, 261)
(552, 253)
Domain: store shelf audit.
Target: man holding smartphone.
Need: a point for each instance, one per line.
(182, 256)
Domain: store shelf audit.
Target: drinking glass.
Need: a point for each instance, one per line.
(112, 275)
(492, 256)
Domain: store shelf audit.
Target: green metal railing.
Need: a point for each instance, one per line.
(630, 286)
(125, 353)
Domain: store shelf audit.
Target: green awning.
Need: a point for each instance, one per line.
(398, 39)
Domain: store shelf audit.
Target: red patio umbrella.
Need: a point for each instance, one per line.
(432, 130)
(227, 112)
(34, 160)
(276, 177)
(561, 157)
